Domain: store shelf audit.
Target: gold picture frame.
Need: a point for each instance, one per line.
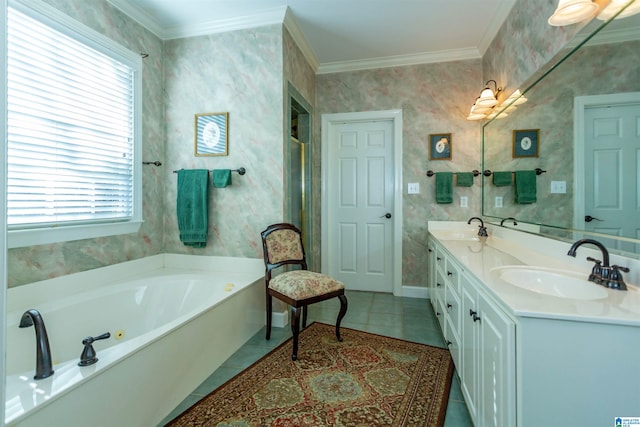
(211, 134)
(526, 143)
(440, 146)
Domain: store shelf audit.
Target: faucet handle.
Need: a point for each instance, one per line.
(88, 356)
(618, 267)
(615, 280)
(596, 271)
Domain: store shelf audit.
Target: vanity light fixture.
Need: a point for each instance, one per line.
(488, 97)
(616, 5)
(572, 11)
(486, 105)
(516, 98)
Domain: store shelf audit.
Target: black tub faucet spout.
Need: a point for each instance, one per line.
(44, 368)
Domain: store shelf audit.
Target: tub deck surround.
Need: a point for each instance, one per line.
(173, 319)
(505, 247)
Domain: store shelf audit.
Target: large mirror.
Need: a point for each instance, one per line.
(580, 124)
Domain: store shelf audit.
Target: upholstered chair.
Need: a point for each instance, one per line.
(297, 286)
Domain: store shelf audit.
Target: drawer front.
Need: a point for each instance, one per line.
(453, 310)
(452, 271)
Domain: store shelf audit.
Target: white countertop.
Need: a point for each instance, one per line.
(506, 247)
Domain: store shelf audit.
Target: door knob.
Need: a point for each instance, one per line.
(387, 215)
(589, 218)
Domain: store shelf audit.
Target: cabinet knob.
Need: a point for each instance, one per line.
(472, 313)
(430, 250)
(449, 306)
(438, 258)
(449, 343)
(449, 273)
(438, 313)
(476, 318)
(438, 284)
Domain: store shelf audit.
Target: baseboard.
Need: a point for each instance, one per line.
(415, 292)
(280, 319)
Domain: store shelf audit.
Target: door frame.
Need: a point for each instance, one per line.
(580, 103)
(334, 119)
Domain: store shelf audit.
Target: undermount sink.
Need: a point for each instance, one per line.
(551, 282)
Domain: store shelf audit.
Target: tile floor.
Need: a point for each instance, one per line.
(407, 318)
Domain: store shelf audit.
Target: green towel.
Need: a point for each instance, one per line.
(444, 187)
(221, 178)
(525, 187)
(502, 179)
(464, 179)
(193, 206)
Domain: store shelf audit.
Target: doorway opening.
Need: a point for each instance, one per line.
(298, 154)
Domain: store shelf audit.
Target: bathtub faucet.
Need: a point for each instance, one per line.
(33, 318)
(88, 356)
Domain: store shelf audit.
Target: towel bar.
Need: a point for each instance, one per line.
(431, 173)
(156, 163)
(239, 171)
(538, 172)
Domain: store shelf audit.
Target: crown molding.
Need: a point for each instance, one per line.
(298, 36)
(496, 23)
(266, 17)
(400, 60)
(615, 36)
(139, 15)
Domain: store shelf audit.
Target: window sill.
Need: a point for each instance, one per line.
(43, 236)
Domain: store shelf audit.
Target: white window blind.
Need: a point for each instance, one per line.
(71, 133)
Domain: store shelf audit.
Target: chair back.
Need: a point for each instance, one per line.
(282, 245)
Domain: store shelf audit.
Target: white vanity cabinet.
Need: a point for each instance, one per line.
(526, 358)
(481, 338)
(488, 377)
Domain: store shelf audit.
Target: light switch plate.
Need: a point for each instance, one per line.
(413, 188)
(464, 202)
(498, 202)
(558, 187)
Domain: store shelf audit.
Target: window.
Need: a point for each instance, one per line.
(73, 167)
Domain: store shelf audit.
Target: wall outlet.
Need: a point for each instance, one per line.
(413, 188)
(498, 203)
(558, 187)
(464, 202)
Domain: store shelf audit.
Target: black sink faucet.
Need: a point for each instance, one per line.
(508, 219)
(33, 318)
(483, 230)
(602, 273)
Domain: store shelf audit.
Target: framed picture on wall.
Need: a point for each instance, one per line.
(526, 143)
(440, 146)
(212, 134)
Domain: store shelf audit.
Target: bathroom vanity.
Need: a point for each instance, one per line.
(534, 343)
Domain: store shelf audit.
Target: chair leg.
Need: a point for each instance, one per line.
(295, 329)
(269, 311)
(304, 316)
(343, 311)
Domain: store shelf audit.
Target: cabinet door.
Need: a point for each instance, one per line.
(497, 366)
(431, 265)
(469, 351)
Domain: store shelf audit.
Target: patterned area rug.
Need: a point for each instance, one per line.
(366, 380)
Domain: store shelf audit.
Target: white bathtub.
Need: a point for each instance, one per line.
(180, 317)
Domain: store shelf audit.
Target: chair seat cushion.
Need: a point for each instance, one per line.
(303, 284)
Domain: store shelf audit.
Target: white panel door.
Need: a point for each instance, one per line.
(361, 195)
(611, 174)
